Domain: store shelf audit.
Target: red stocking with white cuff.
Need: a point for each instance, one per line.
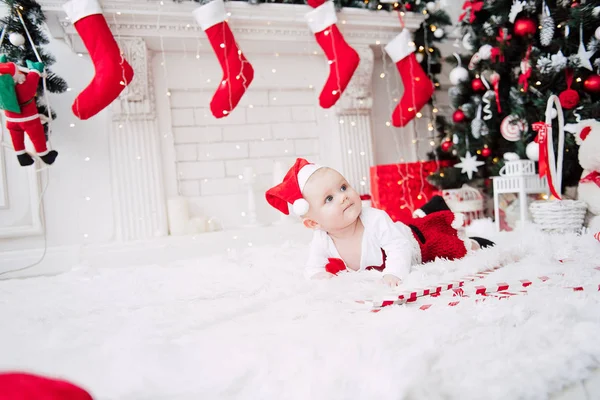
(343, 59)
(237, 71)
(112, 71)
(418, 88)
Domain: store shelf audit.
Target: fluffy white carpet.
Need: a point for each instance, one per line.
(250, 327)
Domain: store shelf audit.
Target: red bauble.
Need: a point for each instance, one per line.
(486, 152)
(525, 26)
(592, 84)
(458, 116)
(477, 85)
(569, 99)
(446, 145)
(408, 7)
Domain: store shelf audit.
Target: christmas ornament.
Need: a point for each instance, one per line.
(597, 33)
(525, 26)
(343, 59)
(478, 126)
(569, 98)
(458, 116)
(547, 23)
(486, 152)
(113, 72)
(592, 84)
(516, 8)
(533, 151)
(446, 145)
(17, 99)
(495, 80)
(477, 85)
(584, 55)
(458, 74)
(418, 88)
(455, 139)
(431, 6)
(485, 52)
(439, 33)
(469, 164)
(512, 128)
(525, 71)
(471, 8)
(466, 41)
(420, 57)
(16, 39)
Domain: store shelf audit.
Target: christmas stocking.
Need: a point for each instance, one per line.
(343, 59)
(418, 88)
(237, 71)
(113, 73)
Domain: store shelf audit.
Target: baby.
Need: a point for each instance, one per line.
(348, 237)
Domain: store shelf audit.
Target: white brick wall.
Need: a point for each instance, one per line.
(266, 126)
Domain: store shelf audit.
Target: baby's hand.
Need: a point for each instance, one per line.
(323, 275)
(391, 280)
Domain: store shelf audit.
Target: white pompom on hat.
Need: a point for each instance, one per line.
(288, 194)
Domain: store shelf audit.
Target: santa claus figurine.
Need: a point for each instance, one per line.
(17, 98)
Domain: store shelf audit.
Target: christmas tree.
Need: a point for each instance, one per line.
(518, 54)
(17, 44)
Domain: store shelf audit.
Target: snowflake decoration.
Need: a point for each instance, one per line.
(544, 64)
(559, 61)
(488, 29)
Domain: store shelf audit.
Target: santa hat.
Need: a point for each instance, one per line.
(289, 192)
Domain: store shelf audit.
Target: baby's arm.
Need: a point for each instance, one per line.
(398, 249)
(317, 259)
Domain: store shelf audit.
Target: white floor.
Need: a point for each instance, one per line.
(214, 317)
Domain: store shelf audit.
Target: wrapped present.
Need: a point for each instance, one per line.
(400, 189)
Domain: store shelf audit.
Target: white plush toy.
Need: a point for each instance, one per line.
(587, 135)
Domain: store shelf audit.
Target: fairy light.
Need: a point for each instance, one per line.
(382, 75)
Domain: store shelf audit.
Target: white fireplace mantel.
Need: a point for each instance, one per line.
(172, 24)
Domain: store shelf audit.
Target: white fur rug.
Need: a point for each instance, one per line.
(250, 327)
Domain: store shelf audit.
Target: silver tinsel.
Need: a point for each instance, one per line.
(476, 127)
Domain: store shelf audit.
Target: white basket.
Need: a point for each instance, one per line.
(518, 168)
(559, 216)
(466, 200)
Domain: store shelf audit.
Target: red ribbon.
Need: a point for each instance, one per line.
(471, 7)
(525, 75)
(524, 78)
(497, 91)
(544, 170)
(497, 55)
(593, 177)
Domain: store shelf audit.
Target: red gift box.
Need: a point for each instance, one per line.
(400, 189)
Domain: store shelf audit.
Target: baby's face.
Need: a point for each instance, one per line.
(333, 203)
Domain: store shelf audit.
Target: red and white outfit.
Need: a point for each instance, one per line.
(394, 247)
(28, 120)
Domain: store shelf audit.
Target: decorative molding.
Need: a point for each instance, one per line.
(140, 210)
(36, 226)
(271, 22)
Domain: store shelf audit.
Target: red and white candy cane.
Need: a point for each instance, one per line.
(413, 295)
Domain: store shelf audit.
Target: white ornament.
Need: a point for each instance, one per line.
(455, 139)
(485, 52)
(458, 75)
(512, 128)
(16, 39)
(431, 6)
(466, 42)
(533, 151)
(516, 8)
(469, 164)
(584, 55)
(419, 57)
(439, 33)
(597, 33)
